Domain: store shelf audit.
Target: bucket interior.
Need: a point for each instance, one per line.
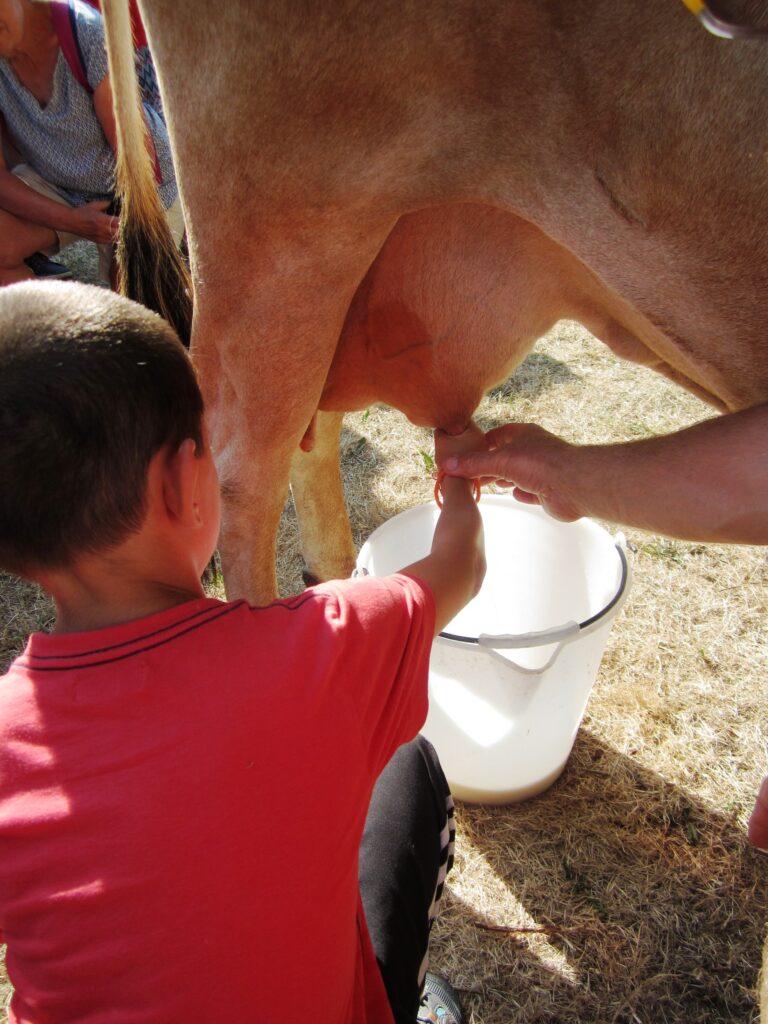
(541, 573)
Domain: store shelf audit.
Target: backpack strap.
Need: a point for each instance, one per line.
(65, 27)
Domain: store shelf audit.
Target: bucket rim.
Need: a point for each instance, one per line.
(572, 628)
(556, 634)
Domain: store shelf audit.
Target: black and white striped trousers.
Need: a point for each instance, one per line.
(406, 852)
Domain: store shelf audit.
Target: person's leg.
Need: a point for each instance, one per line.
(18, 240)
(35, 181)
(406, 852)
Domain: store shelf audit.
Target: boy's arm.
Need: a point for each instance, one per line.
(455, 567)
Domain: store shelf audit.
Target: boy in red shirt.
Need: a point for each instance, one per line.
(184, 782)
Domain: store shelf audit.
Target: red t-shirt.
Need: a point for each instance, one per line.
(181, 805)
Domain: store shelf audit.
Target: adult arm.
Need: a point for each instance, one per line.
(102, 104)
(455, 566)
(708, 482)
(88, 221)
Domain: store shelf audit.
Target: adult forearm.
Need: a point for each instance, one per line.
(707, 483)
(19, 199)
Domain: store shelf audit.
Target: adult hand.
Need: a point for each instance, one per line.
(708, 482)
(95, 224)
(526, 458)
(757, 829)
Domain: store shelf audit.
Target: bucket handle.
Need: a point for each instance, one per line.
(560, 635)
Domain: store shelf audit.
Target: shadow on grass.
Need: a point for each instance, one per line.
(537, 374)
(654, 900)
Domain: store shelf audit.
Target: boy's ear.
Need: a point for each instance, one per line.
(180, 484)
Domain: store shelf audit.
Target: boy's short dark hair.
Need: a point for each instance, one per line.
(91, 387)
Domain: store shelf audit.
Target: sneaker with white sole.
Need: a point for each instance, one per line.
(439, 1003)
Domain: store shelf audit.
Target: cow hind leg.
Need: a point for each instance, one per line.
(318, 494)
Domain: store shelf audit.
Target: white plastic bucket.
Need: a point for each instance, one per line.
(511, 675)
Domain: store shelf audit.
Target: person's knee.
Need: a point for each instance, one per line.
(415, 767)
(413, 785)
(433, 767)
(14, 248)
(12, 256)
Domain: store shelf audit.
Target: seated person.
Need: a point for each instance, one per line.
(208, 811)
(65, 135)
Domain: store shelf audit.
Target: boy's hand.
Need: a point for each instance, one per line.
(472, 439)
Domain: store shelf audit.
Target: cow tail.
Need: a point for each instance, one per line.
(150, 267)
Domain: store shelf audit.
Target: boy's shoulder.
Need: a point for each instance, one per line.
(354, 604)
(365, 595)
(389, 611)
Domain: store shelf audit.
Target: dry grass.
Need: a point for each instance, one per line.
(626, 894)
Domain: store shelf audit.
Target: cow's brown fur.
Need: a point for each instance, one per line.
(438, 182)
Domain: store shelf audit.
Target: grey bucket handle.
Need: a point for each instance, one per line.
(536, 638)
(560, 635)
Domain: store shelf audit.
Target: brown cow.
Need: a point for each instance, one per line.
(436, 184)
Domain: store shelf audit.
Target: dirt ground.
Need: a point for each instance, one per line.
(625, 894)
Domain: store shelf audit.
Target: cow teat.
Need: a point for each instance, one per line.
(307, 443)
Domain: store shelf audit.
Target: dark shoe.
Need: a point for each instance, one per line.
(41, 266)
(439, 1004)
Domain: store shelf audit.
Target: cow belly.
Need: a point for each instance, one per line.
(454, 301)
